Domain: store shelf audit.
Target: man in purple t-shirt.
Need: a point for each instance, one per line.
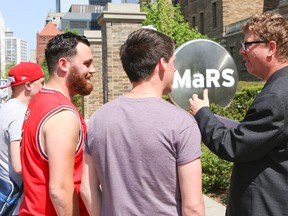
(143, 151)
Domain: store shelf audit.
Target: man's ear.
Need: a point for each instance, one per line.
(63, 64)
(162, 64)
(28, 86)
(272, 47)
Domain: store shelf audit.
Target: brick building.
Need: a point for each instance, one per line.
(118, 20)
(221, 20)
(49, 31)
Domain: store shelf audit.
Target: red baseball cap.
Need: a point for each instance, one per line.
(24, 72)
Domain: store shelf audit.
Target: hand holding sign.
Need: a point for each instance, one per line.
(196, 104)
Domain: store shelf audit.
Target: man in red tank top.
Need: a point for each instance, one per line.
(54, 131)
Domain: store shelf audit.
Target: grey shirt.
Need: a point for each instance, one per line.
(11, 120)
(136, 145)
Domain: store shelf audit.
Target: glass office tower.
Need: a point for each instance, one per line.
(62, 6)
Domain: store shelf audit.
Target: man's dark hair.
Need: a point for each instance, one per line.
(142, 51)
(62, 45)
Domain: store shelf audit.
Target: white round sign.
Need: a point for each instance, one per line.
(203, 64)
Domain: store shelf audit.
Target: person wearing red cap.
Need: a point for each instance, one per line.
(54, 131)
(25, 79)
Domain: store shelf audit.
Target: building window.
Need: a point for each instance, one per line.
(186, 2)
(82, 9)
(214, 11)
(202, 23)
(193, 22)
(78, 24)
(94, 25)
(43, 39)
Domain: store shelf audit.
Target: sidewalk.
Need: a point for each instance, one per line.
(212, 208)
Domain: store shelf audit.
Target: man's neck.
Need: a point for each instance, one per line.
(143, 91)
(61, 87)
(24, 100)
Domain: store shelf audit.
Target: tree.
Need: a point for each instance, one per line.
(7, 69)
(45, 70)
(168, 19)
(75, 31)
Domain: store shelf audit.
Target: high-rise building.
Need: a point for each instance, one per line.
(64, 5)
(93, 2)
(99, 2)
(130, 1)
(12, 50)
(16, 49)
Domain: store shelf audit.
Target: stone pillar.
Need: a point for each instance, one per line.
(95, 99)
(117, 21)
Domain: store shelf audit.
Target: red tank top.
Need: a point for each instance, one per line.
(35, 170)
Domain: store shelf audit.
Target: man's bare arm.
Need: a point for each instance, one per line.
(60, 139)
(15, 156)
(190, 180)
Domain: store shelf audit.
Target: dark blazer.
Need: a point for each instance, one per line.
(258, 147)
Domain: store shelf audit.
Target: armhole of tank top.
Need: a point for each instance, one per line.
(42, 123)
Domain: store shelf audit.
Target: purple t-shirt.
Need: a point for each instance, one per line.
(136, 145)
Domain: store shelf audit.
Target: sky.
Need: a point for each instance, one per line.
(26, 17)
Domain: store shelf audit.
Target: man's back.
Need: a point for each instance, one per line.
(136, 145)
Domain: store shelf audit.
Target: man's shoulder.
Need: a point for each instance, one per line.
(105, 110)
(109, 104)
(13, 108)
(50, 99)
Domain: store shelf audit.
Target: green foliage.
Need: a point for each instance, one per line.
(7, 69)
(168, 19)
(245, 84)
(216, 171)
(167, 98)
(45, 70)
(239, 105)
(78, 101)
(75, 31)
